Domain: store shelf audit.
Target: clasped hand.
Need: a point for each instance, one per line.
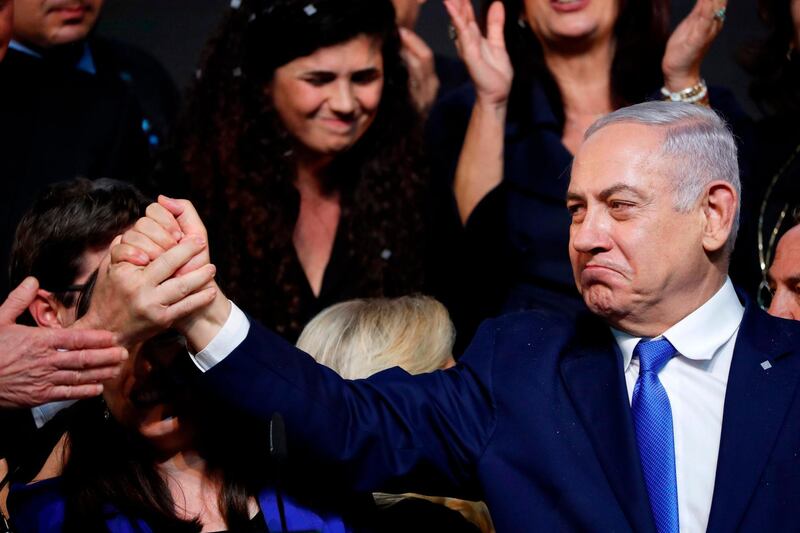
(157, 276)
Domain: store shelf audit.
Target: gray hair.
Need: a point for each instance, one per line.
(698, 143)
(358, 338)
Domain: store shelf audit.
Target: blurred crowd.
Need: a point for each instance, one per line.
(360, 195)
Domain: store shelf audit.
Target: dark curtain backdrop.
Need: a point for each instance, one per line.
(174, 31)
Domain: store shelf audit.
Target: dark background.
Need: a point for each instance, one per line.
(174, 31)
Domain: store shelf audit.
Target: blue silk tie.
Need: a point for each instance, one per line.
(652, 419)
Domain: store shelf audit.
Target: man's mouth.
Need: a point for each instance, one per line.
(69, 10)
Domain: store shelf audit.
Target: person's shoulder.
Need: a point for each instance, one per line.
(769, 332)
(38, 506)
(130, 63)
(539, 320)
(540, 330)
(123, 55)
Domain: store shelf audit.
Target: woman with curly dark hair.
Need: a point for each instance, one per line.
(302, 145)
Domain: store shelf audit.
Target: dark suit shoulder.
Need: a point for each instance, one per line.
(537, 336)
(778, 333)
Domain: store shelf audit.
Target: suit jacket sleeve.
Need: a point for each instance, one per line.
(393, 431)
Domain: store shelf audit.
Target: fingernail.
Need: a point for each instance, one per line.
(29, 282)
(177, 235)
(199, 240)
(124, 354)
(143, 258)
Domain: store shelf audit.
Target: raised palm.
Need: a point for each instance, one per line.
(486, 58)
(689, 43)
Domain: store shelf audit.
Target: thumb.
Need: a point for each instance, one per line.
(18, 301)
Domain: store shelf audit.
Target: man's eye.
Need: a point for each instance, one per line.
(574, 210)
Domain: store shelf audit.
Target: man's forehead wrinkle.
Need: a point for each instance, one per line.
(621, 187)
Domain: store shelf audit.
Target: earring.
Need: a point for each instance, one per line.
(521, 22)
(790, 51)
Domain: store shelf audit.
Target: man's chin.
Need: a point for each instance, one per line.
(601, 301)
(68, 34)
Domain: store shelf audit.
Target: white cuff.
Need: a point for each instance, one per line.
(42, 414)
(226, 341)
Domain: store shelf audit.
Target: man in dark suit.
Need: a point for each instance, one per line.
(672, 406)
(73, 105)
(37, 366)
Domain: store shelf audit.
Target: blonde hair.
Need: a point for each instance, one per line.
(358, 338)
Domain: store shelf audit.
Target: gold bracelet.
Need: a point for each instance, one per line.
(695, 94)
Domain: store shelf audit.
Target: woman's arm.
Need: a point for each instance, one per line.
(689, 44)
(480, 166)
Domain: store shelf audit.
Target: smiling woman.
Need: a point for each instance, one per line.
(302, 146)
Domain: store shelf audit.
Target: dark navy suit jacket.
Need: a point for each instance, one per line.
(535, 419)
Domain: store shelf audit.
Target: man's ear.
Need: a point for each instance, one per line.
(44, 310)
(719, 209)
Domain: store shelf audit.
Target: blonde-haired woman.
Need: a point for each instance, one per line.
(358, 338)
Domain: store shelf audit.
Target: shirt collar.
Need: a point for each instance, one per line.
(85, 63)
(700, 334)
(19, 47)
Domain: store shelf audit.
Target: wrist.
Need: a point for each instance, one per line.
(678, 82)
(201, 327)
(692, 94)
(487, 107)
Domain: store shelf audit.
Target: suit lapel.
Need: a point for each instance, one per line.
(594, 379)
(756, 402)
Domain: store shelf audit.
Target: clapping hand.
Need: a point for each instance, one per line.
(689, 43)
(486, 58)
(422, 79)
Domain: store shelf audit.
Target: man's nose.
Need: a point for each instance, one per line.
(784, 305)
(343, 101)
(591, 234)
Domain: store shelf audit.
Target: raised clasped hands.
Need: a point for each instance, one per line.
(486, 57)
(689, 43)
(157, 276)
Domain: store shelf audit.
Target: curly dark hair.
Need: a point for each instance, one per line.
(242, 165)
(773, 62)
(641, 32)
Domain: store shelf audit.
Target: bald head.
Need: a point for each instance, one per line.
(784, 277)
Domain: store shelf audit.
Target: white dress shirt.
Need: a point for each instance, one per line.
(695, 381)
